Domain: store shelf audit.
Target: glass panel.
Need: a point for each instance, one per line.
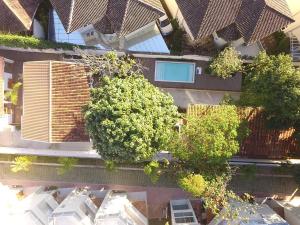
(180, 207)
(183, 214)
(185, 220)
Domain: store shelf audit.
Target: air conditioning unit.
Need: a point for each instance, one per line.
(198, 70)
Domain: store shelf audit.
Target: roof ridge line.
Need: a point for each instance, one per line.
(201, 24)
(125, 14)
(71, 15)
(16, 15)
(266, 2)
(145, 2)
(280, 13)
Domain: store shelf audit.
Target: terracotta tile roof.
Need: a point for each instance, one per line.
(17, 15)
(254, 19)
(109, 16)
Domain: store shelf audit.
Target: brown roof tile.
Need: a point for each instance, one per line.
(75, 14)
(257, 19)
(108, 15)
(17, 15)
(219, 14)
(254, 19)
(280, 6)
(230, 33)
(138, 15)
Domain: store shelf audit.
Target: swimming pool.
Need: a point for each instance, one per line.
(168, 71)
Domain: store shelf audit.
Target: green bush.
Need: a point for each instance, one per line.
(194, 184)
(282, 44)
(153, 171)
(129, 119)
(208, 140)
(248, 172)
(22, 163)
(67, 164)
(176, 38)
(13, 95)
(227, 63)
(273, 82)
(110, 166)
(17, 41)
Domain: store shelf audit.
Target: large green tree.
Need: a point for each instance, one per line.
(273, 83)
(201, 150)
(208, 139)
(129, 119)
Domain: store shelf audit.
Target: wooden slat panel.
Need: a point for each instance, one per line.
(36, 82)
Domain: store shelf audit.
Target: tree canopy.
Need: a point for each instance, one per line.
(129, 119)
(207, 139)
(227, 63)
(201, 150)
(272, 82)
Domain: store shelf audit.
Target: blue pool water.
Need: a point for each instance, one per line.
(175, 72)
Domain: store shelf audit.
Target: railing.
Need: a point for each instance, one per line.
(295, 47)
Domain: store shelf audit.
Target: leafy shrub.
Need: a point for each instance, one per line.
(248, 172)
(22, 163)
(273, 83)
(208, 139)
(108, 64)
(194, 184)
(17, 41)
(13, 95)
(176, 38)
(129, 119)
(110, 165)
(227, 63)
(153, 171)
(67, 164)
(281, 45)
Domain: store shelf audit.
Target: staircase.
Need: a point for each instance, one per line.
(295, 48)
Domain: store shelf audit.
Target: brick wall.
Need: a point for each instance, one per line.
(1, 86)
(70, 91)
